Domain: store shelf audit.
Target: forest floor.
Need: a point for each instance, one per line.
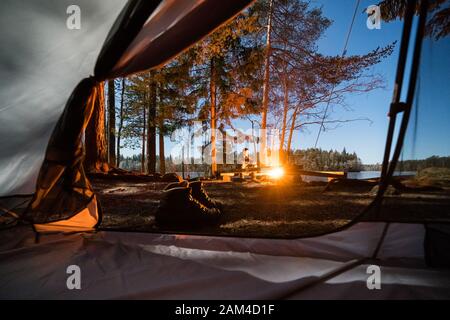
(268, 209)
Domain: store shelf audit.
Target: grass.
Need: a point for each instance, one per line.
(250, 208)
(253, 209)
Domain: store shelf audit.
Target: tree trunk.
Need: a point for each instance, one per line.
(111, 123)
(212, 89)
(291, 132)
(151, 128)
(143, 140)
(266, 87)
(119, 130)
(162, 156)
(224, 147)
(96, 159)
(284, 125)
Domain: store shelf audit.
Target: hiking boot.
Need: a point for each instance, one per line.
(177, 208)
(171, 177)
(182, 184)
(201, 196)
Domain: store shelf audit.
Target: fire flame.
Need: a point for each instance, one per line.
(276, 173)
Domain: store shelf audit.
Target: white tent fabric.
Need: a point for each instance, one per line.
(118, 265)
(41, 62)
(398, 282)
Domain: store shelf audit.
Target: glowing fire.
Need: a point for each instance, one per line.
(276, 173)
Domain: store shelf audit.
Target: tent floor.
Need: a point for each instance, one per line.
(119, 265)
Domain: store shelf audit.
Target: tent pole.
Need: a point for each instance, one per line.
(411, 88)
(397, 90)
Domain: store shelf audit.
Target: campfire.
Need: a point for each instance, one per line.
(276, 173)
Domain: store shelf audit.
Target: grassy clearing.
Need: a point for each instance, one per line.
(267, 209)
(250, 209)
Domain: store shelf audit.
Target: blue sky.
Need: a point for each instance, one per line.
(430, 132)
(364, 138)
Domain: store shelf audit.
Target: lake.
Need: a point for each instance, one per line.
(376, 174)
(351, 175)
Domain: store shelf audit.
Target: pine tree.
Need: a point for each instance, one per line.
(121, 119)
(135, 114)
(158, 101)
(112, 123)
(151, 123)
(226, 74)
(96, 158)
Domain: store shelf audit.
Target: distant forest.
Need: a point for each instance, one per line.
(134, 163)
(332, 160)
(309, 159)
(414, 165)
(417, 165)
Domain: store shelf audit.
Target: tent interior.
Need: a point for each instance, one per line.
(252, 101)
